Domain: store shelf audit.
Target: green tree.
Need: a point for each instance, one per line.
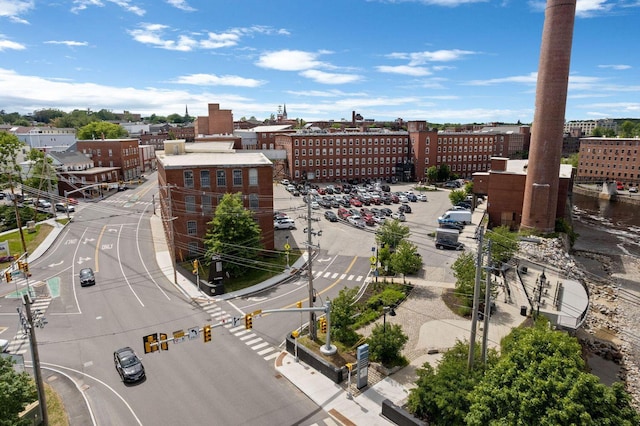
(464, 270)
(233, 234)
(47, 115)
(17, 390)
(105, 115)
(627, 129)
(75, 119)
(175, 118)
(386, 343)
(343, 311)
(391, 233)
(41, 174)
(444, 172)
(432, 174)
(540, 379)
(504, 244)
(102, 129)
(573, 159)
(406, 260)
(441, 396)
(457, 195)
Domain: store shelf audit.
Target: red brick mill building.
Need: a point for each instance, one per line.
(193, 179)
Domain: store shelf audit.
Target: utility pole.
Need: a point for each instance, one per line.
(37, 373)
(487, 305)
(313, 332)
(172, 235)
(476, 296)
(15, 206)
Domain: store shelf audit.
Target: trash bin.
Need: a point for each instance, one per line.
(523, 311)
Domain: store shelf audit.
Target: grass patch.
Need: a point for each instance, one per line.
(31, 239)
(376, 297)
(456, 304)
(266, 267)
(342, 356)
(55, 407)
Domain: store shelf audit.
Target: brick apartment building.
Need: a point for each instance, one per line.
(504, 185)
(158, 134)
(121, 153)
(609, 159)
(194, 177)
(217, 122)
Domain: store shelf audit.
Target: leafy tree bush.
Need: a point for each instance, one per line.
(234, 235)
(386, 343)
(343, 311)
(457, 195)
(98, 129)
(504, 244)
(405, 260)
(464, 270)
(17, 390)
(540, 379)
(391, 233)
(441, 395)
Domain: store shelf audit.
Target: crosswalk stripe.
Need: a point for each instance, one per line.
(237, 328)
(359, 278)
(272, 356)
(343, 276)
(333, 277)
(240, 333)
(258, 346)
(248, 336)
(253, 342)
(351, 277)
(266, 351)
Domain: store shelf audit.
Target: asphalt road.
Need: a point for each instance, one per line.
(220, 382)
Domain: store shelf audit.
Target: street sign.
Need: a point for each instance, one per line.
(256, 313)
(373, 260)
(287, 247)
(178, 336)
(194, 332)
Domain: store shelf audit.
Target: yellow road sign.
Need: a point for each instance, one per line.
(287, 247)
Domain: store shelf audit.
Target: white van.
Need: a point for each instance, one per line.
(462, 216)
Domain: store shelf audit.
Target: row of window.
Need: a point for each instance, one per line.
(206, 206)
(221, 178)
(467, 140)
(348, 161)
(593, 173)
(475, 148)
(349, 172)
(351, 141)
(609, 151)
(608, 166)
(461, 158)
(352, 151)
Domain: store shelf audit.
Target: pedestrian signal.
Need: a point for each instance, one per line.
(164, 343)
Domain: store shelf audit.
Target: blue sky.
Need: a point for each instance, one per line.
(435, 60)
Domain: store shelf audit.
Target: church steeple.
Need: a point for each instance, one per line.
(284, 113)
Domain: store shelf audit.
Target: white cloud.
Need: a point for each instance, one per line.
(290, 60)
(420, 58)
(404, 70)
(446, 3)
(80, 5)
(8, 44)
(13, 9)
(524, 79)
(214, 80)
(151, 34)
(616, 67)
(67, 42)
(330, 78)
(181, 4)
(584, 8)
(216, 41)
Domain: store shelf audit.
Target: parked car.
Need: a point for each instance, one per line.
(284, 224)
(285, 182)
(412, 197)
(330, 216)
(128, 365)
(449, 245)
(386, 211)
(343, 213)
(43, 204)
(72, 201)
(87, 277)
(379, 219)
(452, 225)
(356, 221)
(62, 207)
(4, 345)
(404, 208)
(633, 189)
(355, 202)
(421, 197)
(399, 216)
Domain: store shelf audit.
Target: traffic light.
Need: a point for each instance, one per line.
(195, 266)
(150, 343)
(7, 276)
(164, 343)
(248, 321)
(323, 325)
(299, 304)
(25, 267)
(206, 333)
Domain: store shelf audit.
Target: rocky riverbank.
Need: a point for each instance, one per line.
(609, 334)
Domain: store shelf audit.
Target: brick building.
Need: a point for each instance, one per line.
(158, 134)
(121, 153)
(609, 159)
(194, 177)
(217, 122)
(504, 185)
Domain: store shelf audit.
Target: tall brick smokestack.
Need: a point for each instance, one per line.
(541, 188)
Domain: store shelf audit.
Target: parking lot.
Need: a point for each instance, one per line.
(344, 238)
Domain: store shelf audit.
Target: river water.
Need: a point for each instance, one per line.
(606, 227)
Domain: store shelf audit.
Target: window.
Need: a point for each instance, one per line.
(188, 178)
(194, 250)
(253, 177)
(207, 208)
(254, 201)
(110, 153)
(205, 179)
(190, 203)
(237, 178)
(192, 227)
(221, 178)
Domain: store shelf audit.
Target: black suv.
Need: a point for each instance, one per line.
(330, 216)
(128, 365)
(86, 277)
